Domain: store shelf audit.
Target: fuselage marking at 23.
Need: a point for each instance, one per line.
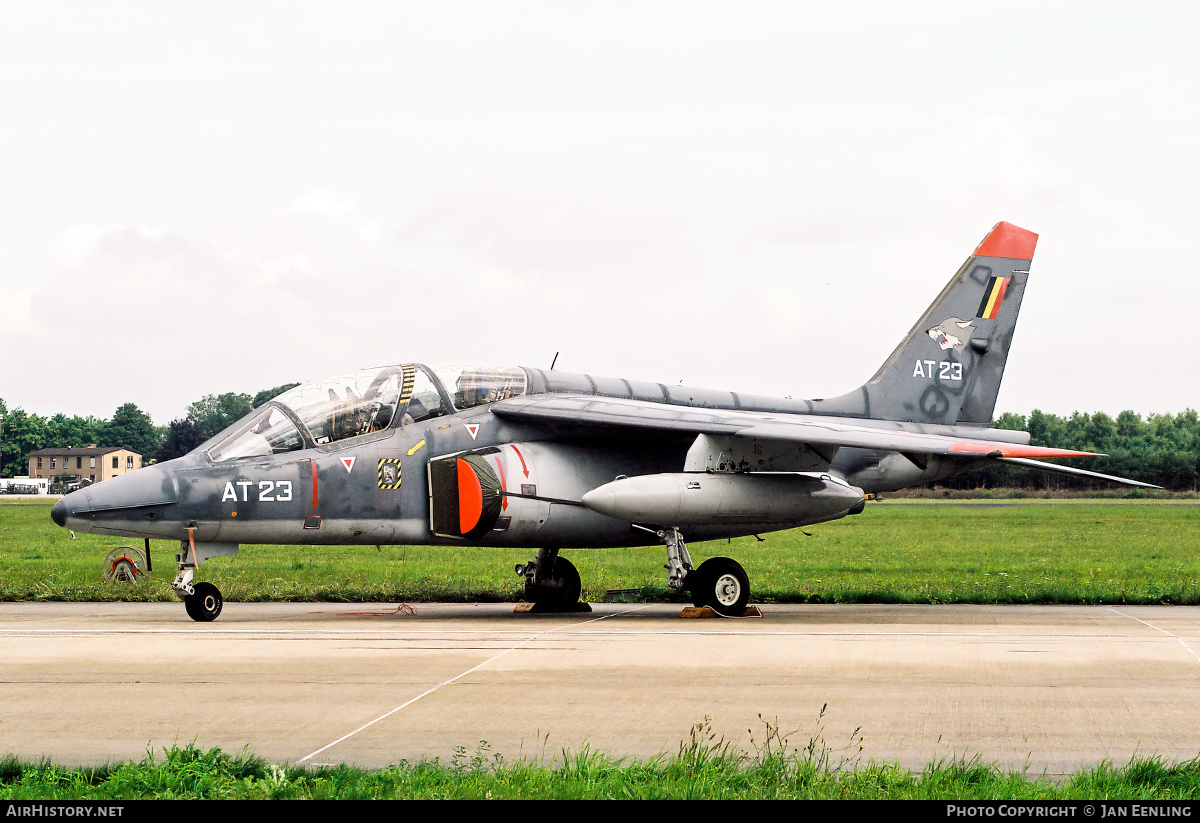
(269, 491)
(947, 370)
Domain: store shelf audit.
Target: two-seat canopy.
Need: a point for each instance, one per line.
(364, 402)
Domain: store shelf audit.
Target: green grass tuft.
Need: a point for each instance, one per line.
(704, 768)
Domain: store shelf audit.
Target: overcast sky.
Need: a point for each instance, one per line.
(206, 197)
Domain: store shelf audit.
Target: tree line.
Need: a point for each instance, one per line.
(1162, 449)
(22, 433)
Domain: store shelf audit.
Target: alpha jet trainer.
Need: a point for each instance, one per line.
(546, 460)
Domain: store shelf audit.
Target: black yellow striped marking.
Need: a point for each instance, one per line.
(406, 387)
(384, 473)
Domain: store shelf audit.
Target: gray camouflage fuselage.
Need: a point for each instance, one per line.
(164, 500)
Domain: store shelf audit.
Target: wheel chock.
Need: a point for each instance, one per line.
(549, 608)
(703, 612)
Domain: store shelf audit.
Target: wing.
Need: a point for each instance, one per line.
(823, 435)
(810, 430)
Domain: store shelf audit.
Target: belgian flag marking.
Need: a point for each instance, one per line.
(993, 296)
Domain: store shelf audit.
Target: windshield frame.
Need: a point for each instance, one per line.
(235, 431)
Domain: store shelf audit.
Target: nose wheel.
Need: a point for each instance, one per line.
(205, 604)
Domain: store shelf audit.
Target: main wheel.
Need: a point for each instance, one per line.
(721, 584)
(561, 587)
(205, 604)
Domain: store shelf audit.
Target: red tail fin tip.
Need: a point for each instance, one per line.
(1007, 240)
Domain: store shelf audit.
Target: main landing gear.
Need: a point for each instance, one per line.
(720, 583)
(550, 580)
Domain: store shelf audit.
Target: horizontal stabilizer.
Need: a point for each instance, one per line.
(1055, 468)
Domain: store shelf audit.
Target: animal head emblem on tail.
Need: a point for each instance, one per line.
(952, 333)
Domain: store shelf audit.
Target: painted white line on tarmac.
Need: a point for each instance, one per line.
(428, 692)
(1156, 628)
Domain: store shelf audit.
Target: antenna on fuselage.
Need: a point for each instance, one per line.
(555, 360)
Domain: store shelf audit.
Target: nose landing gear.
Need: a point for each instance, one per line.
(202, 601)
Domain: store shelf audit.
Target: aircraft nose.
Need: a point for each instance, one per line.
(59, 512)
(69, 506)
(132, 503)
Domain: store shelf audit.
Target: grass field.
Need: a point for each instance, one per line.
(1074, 551)
(703, 769)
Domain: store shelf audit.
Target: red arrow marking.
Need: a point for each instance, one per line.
(503, 485)
(524, 468)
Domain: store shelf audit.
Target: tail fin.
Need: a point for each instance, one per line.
(948, 367)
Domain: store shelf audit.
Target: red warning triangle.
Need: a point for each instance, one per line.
(472, 429)
(348, 462)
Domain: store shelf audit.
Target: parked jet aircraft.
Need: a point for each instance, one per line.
(501, 456)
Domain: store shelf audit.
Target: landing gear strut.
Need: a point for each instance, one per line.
(550, 580)
(679, 562)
